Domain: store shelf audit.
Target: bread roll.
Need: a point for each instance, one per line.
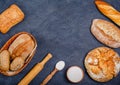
(16, 64)
(106, 32)
(108, 11)
(10, 17)
(102, 64)
(4, 60)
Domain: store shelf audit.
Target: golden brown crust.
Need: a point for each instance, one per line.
(106, 32)
(4, 60)
(18, 45)
(10, 17)
(108, 11)
(100, 64)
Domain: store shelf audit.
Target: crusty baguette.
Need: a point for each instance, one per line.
(10, 17)
(108, 11)
(102, 64)
(106, 32)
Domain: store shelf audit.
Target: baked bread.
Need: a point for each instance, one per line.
(106, 32)
(22, 46)
(108, 11)
(23, 51)
(102, 64)
(4, 60)
(10, 17)
(16, 64)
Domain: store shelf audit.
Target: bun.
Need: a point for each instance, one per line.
(108, 11)
(106, 32)
(102, 64)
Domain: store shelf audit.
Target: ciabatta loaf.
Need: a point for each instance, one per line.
(10, 17)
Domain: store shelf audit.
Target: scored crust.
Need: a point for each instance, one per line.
(102, 64)
(106, 32)
(108, 10)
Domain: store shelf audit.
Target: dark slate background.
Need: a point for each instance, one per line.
(61, 27)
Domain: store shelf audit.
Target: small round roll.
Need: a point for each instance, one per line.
(16, 64)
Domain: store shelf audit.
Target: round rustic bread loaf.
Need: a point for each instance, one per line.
(102, 64)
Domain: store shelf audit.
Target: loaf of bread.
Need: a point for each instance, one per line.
(106, 32)
(10, 17)
(108, 11)
(21, 47)
(102, 64)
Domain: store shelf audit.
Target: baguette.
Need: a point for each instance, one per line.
(10, 17)
(108, 11)
(106, 32)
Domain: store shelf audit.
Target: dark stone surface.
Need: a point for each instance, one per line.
(61, 27)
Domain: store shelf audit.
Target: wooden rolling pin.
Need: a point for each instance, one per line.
(36, 69)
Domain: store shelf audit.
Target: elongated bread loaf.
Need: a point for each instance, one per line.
(21, 46)
(108, 11)
(106, 32)
(10, 17)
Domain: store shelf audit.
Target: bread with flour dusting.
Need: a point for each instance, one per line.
(106, 32)
(102, 64)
